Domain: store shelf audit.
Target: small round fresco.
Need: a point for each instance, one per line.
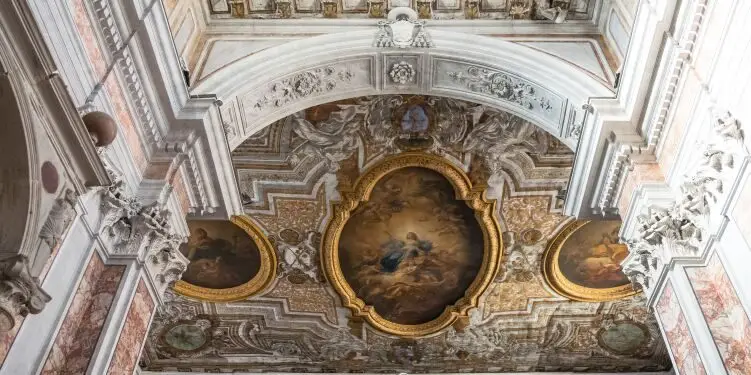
(623, 338)
(185, 337)
(583, 262)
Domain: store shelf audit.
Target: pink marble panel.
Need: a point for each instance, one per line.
(113, 88)
(134, 332)
(80, 331)
(725, 316)
(7, 338)
(679, 339)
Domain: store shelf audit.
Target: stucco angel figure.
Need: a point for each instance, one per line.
(334, 139)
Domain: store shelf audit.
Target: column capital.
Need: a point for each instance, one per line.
(20, 293)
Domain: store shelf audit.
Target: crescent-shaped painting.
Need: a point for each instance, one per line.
(411, 252)
(229, 260)
(583, 262)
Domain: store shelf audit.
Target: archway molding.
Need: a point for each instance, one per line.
(20, 189)
(269, 85)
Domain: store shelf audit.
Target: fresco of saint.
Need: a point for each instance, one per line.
(221, 255)
(592, 256)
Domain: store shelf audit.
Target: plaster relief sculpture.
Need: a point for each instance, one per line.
(402, 73)
(59, 219)
(503, 86)
(402, 30)
(301, 85)
(681, 230)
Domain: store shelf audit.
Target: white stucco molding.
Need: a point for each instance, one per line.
(653, 73)
(460, 66)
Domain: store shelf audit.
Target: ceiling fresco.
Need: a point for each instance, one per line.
(399, 244)
(433, 9)
(412, 238)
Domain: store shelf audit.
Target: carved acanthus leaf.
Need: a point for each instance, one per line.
(20, 293)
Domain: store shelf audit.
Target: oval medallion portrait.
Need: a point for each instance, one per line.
(413, 246)
(228, 260)
(583, 262)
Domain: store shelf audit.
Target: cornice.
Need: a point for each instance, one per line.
(618, 141)
(640, 144)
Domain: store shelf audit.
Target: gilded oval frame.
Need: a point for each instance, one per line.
(555, 278)
(265, 276)
(483, 208)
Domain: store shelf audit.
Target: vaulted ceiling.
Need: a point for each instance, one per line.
(291, 173)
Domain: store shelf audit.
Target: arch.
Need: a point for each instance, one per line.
(19, 195)
(282, 80)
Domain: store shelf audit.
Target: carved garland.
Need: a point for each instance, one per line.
(266, 272)
(475, 198)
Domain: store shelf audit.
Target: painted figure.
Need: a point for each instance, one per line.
(415, 120)
(397, 250)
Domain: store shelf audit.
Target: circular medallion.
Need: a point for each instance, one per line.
(50, 177)
(531, 236)
(290, 236)
(185, 337)
(623, 337)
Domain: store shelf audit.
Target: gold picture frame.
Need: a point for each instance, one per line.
(265, 276)
(561, 284)
(483, 208)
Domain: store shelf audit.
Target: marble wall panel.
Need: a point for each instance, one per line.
(134, 332)
(86, 31)
(680, 342)
(725, 316)
(80, 331)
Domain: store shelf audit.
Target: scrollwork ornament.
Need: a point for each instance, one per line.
(302, 85)
(502, 86)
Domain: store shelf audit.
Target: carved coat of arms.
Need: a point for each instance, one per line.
(402, 30)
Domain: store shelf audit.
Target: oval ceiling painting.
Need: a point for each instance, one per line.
(413, 246)
(228, 260)
(583, 262)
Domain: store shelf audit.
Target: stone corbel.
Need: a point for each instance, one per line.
(471, 9)
(283, 8)
(330, 8)
(20, 293)
(59, 218)
(376, 8)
